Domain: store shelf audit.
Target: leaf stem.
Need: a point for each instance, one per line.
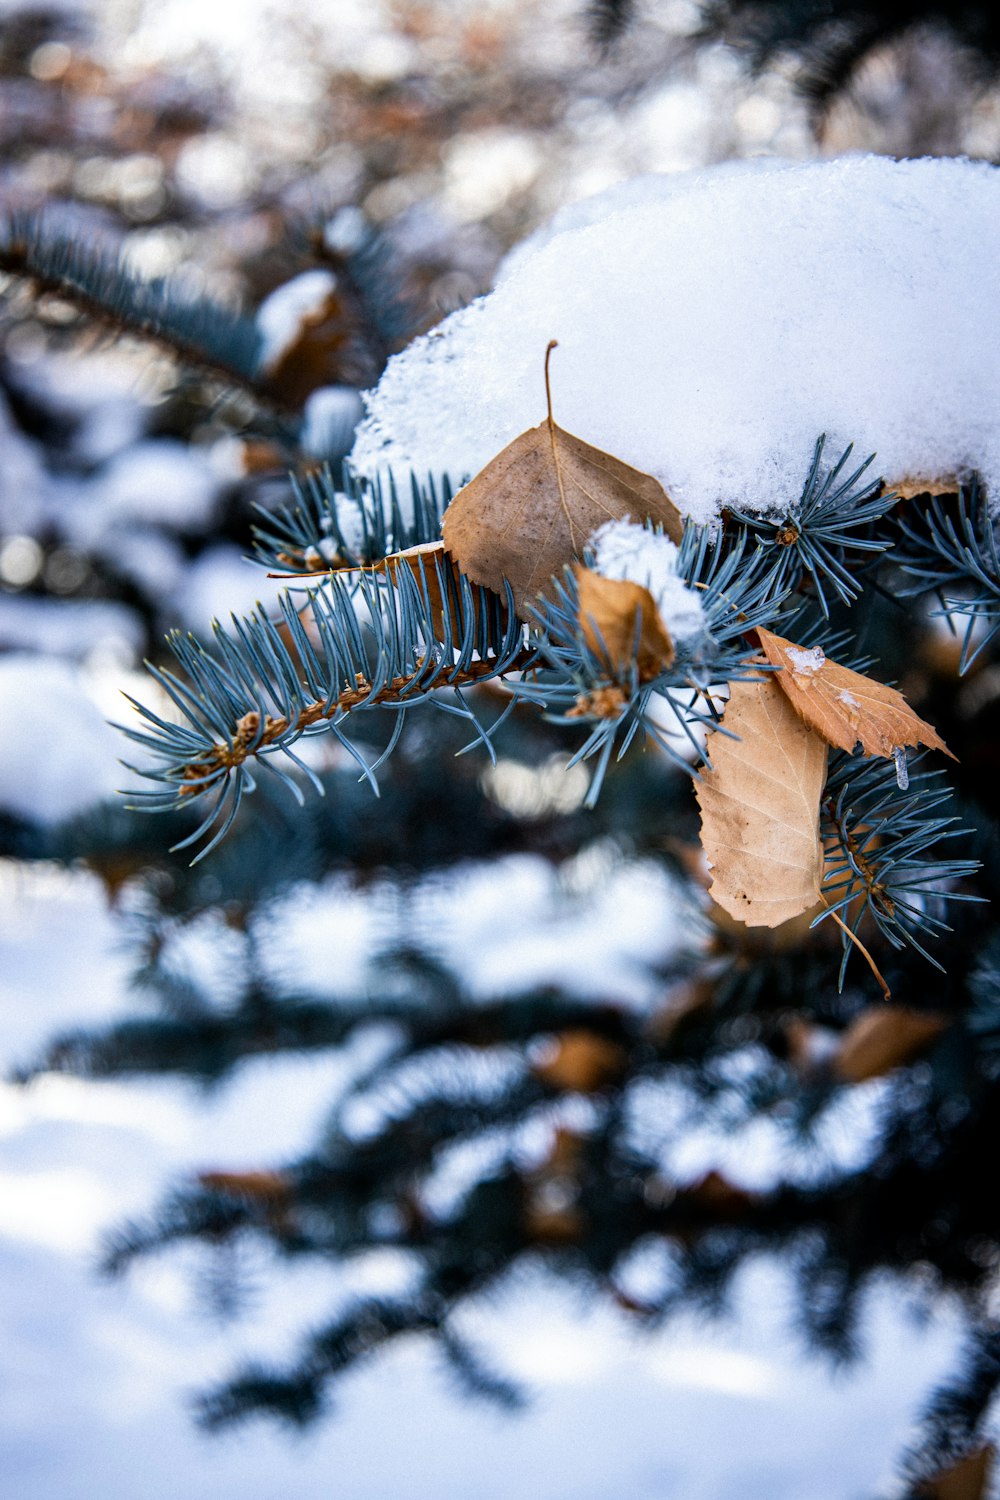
(554, 344)
(886, 992)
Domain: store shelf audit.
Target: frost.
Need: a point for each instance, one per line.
(624, 550)
(710, 330)
(902, 770)
(848, 699)
(281, 316)
(806, 662)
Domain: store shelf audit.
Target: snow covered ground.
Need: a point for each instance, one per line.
(93, 1376)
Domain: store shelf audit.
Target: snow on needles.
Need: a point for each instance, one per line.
(623, 550)
(709, 333)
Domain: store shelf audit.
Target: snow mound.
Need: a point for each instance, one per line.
(711, 328)
(636, 192)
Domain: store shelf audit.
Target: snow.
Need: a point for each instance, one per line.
(806, 662)
(96, 1375)
(281, 316)
(597, 928)
(329, 419)
(71, 628)
(221, 581)
(57, 754)
(94, 391)
(150, 559)
(158, 482)
(634, 192)
(711, 330)
(624, 550)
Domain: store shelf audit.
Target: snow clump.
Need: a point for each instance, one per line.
(623, 550)
(57, 753)
(710, 328)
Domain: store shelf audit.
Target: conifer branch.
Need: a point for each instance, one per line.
(815, 537)
(884, 860)
(198, 332)
(949, 548)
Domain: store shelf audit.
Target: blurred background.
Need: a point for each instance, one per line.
(448, 1142)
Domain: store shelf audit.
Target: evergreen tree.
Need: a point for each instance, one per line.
(385, 628)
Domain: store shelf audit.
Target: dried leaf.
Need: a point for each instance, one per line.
(810, 1047)
(883, 1038)
(608, 612)
(322, 352)
(846, 707)
(908, 489)
(531, 510)
(271, 1188)
(758, 944)
(760, 808)
(969, 1479)
(602, 703)
(551, 1209)
(723, 1200)
(437, 566)
(257, 456)
(688, 1000)
(580, 1062)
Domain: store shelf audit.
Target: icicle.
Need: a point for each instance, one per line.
(902, 771)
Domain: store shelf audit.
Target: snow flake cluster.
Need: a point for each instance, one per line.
(712, 324)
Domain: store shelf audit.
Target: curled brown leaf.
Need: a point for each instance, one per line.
(621, 623)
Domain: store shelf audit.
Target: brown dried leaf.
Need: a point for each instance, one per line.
(534, 506)
(551, 1209)
(256, 1187)
(760, 808)
(846, 707)
(602, 703)
(908, 489)
(607, 612)
(882, 1038)
(322, 352)
(969, 1479)
(688, 1000)
(580, 1062)
(438, 568)
(722, 1199)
